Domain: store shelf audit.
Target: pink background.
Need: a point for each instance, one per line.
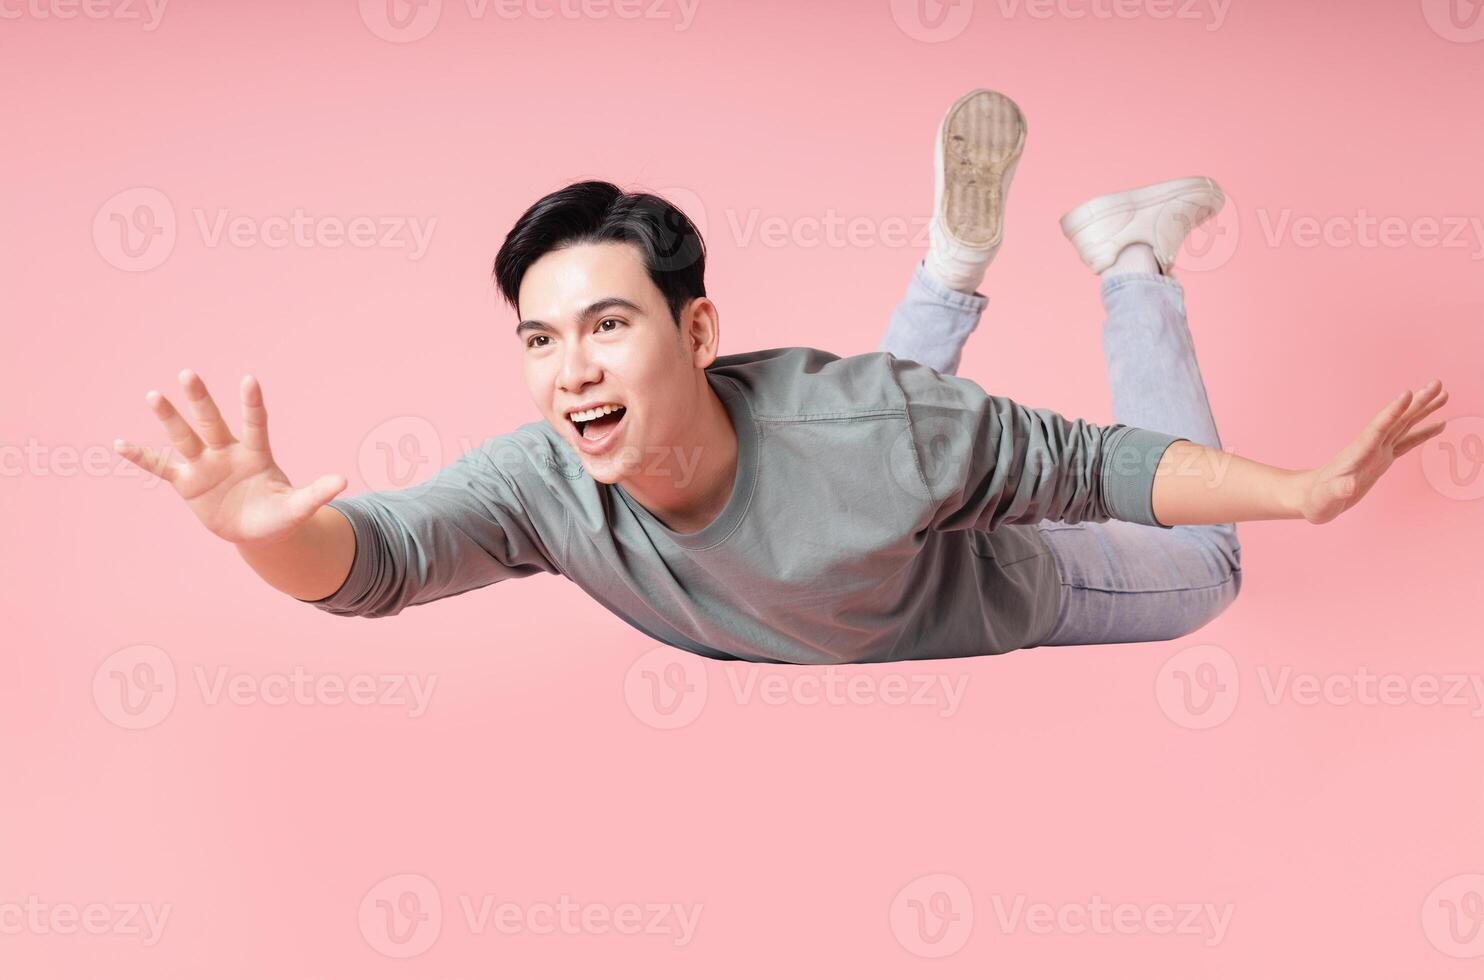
(809, 828)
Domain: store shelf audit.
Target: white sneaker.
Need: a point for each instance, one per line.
(978, 148)
(1159, 215)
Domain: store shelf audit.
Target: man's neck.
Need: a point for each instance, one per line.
(691, 484)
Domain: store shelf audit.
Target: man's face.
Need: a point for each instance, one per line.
(596, 331)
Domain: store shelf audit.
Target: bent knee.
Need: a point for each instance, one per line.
(1221, 541)
(1218, 599)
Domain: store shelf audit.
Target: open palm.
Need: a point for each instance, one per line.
(234, 487)
(1339, 484)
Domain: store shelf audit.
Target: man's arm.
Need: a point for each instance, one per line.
(986, 460)
(369, 555)
(463, 528)
(312, 563)
(1195, 484)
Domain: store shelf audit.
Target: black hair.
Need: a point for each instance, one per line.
(596, 211)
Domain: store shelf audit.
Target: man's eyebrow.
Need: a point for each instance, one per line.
(588, 313)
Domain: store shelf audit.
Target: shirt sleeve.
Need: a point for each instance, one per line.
(463, 528)
(986, 460)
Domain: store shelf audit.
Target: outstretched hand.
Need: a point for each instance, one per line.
(234, 487)
(1339, 484)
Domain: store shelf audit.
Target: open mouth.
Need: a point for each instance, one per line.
(595, 427)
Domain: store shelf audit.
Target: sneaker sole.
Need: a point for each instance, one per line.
(1078, 219)
(983, 135)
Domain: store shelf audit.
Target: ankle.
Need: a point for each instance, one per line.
(1136, 257)
(960, 270)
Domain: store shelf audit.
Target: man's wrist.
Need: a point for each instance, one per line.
(1292, 491)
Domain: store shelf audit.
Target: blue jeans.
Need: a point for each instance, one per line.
(1120, 582)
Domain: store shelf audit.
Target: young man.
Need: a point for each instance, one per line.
(790, 505)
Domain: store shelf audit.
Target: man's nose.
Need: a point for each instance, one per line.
(578, 369)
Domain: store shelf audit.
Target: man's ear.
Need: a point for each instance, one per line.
(700, 331)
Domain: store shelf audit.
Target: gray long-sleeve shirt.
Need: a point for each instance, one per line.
(881, 511)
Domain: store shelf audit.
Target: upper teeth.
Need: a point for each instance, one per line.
(593, 413)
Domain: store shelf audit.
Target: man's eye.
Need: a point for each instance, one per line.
(608, 320)
(531, 342)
